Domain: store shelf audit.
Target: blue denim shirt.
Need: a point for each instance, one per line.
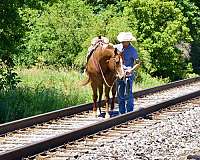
(130, 54)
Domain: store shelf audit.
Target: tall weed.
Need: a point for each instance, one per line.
(42, 91)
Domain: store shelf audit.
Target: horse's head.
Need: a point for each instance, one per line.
(115, 64)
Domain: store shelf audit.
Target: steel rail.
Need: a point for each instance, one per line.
(166, 86)
(35, 148)
(30, 121)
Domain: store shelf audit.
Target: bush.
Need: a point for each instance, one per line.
(56, 33)
(8, 78)
(42, 90)
(161, 26)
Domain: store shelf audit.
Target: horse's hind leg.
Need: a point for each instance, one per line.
(107, 90)
(100, 98)
(94, 89)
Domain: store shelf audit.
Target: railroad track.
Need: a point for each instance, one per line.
(171, 133)
(44, 129)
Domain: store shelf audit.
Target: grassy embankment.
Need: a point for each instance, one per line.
(44, 90)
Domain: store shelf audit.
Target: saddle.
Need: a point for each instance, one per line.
(103, 41)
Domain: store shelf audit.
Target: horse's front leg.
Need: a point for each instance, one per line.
(100, 98)
(113, 96)
(94, 89)
(107, 90)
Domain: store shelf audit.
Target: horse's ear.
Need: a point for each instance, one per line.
(115, 51)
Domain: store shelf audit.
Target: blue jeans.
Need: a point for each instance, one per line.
(125, 93)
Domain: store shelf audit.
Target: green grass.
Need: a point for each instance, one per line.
(41, 91)
(146, 81)
(44, 90)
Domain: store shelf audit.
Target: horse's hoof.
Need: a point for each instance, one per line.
(107, 115)
(98, 112)
(95, 114)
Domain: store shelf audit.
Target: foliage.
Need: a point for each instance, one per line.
(195, 56)
(11, 30)
(42, 90)
(8, 78)
(191, 10)
(144, 80)
(100, 5)
(55, 34)
(59, 31)
(10, 27)
(161, 26)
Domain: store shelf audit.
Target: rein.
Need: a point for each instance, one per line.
(105, 78)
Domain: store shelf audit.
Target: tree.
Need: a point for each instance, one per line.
(191, 10)
(100, 5)
(11, 31)
(56, 33)
(160, 27)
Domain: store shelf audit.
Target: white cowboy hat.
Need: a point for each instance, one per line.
(125, 36)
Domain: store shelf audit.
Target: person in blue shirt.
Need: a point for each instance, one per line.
(130, 63)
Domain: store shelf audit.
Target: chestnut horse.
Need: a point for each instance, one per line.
(103, 67)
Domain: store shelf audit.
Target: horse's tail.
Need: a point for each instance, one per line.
(85, 82)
